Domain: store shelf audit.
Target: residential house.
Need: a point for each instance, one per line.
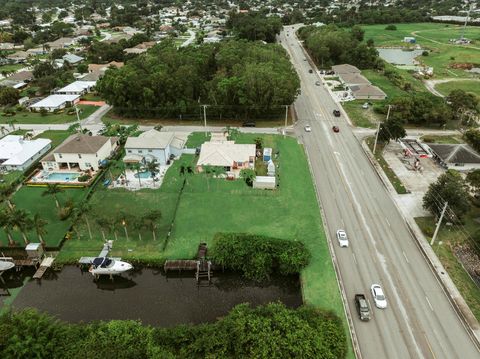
(96, 71)
(61, 43)
(77, 88)
(55, 102)
(460, 157)
(153, 145)
(81, 152)
(367, 92)
(72, 59)
(345, 69)
(22, 76)
(37, 51)
(17, 153)
(18, 57)
(227, 154)
(140, 48)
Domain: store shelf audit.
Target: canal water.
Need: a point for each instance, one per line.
(148, 295)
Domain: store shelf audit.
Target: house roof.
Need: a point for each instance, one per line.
(21, 76)
(154, 139)
(72, 58)
(78, 86)
(225, 153)
(54, 101)
(18, 55)
(367, 90)
(354, 79)
(15, 151)
(103, 67)
(345, 69)
(455, 153)
(83, 144)
(61, 42)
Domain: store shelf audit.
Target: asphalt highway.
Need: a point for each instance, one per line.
(419, 321)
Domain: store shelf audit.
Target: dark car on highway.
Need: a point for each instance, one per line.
(248, 124)
(362, 307)
(336, 113)
(335, 129)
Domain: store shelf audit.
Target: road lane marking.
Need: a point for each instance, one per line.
(429, 346)
(429, 304)
(388, 222)
(405, 256)
(354, 258)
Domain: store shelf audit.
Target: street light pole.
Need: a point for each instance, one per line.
(78, 118)
(439, 223)
(378, 129)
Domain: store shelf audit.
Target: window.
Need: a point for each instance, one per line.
(87, 164)
(79, 155)
(60, 155)
(140, 151)
(129, 151)
(149, 150)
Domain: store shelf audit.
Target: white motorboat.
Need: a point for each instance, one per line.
(108, 266)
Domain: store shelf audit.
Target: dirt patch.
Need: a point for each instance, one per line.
(463, 65)
(469, 260)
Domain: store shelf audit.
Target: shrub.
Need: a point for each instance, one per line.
(425, 53)
(258, 256)
(64, 212)
(84, 178)
(391, 27)
(43, 112)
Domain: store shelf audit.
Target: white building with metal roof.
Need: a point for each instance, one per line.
(55, 102)
(17, 154)
(77, 88)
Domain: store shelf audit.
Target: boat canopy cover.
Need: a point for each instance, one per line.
(102, 262)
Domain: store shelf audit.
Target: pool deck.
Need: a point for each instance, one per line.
(131, 182)
(40, 178)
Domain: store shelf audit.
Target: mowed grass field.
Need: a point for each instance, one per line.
(31, 200)
(435, 37)
(470, 86)
(208, 206)
(27, 117)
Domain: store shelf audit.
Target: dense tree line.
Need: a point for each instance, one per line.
(331, 45)
(104, 52)
(235, 78)
(254, 26)
(47, 76)
(271, 331)
(258, 256)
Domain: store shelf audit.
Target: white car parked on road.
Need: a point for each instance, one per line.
(378, 296)
(342, 238)
(308, 128)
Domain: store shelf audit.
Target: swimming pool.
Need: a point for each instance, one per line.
(62, 176)
(146, 174)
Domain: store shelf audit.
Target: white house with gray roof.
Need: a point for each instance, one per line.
(17, 153)
(153, 145)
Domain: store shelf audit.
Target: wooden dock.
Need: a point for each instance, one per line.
(46, 263)
(201, 266)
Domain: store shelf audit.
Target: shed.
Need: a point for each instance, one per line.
(34, 250)
(409, 39)
(264, 182)
(267, 154)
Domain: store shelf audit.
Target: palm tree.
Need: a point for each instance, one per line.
(139, 225)
(104, 225)
(137, 167)
(117, 165)
(21, 222)
(112, 226)
(53, 189)
(208, 170)
(7, 226)
(81, 210)
(152, 167)
(5, 193)
(39, 224)
(74, 127)
(124, 218)
(12, 123)
(150, 219)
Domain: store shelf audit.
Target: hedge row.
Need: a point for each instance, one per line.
(271, 331)
(258, 256)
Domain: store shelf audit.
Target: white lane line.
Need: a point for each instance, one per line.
(354, 258)
(405, 256)
(429, 304)
(378, 254)
(388, 222)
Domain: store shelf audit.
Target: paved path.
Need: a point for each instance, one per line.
(190, 40)
(430, 84)
(420, 321)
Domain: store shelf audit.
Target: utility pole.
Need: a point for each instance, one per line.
(286, 119)
(439, 223)
(378, 129)
(205, 118)
(78, 119)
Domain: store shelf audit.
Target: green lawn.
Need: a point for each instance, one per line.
(394, 180)
(57, 136)
(450, 139)
(466, 85)
(92, 97)
(435, 37)
(24, 117)
(195, 139)
(31, 200)
(448, 238)
(208, 206)
(361, 117)
(13, 67)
